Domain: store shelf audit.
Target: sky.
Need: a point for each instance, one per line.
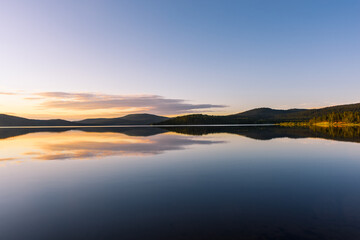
(85, 58)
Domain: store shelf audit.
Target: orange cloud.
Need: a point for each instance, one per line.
(7, 159)
(94, 101)
(78, 106)
(7, 93)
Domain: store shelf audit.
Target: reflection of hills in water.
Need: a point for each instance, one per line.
(350, 134)
(96, 142)
(129, 131)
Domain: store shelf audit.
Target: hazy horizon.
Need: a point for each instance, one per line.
(117, 115)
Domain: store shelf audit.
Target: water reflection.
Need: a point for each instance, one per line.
(350, 134)
(71, 144)
(129, 131)
(97, 142)
(217, 186)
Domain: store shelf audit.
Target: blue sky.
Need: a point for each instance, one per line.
(229, 56)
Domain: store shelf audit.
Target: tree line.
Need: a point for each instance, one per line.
(338, 117)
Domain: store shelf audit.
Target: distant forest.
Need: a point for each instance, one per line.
(346, 114)
(338, 117)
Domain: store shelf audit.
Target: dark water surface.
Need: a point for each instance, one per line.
(180, 183)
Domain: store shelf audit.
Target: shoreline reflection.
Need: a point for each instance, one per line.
(88, 143)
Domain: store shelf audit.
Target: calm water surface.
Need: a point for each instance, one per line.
(179, 183)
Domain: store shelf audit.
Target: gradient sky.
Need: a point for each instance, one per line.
(76, 59)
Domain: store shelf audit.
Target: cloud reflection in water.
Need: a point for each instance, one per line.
(89, 145)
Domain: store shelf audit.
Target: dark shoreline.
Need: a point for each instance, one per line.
(154, 126)
(254, 131)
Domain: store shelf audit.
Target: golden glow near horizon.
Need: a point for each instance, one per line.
(77, 106)
(31, 108)
(83, 105)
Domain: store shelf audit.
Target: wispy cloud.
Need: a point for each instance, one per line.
(96, 101)
(7, 159)
(7, 93)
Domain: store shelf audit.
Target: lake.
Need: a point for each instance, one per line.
(233, 182)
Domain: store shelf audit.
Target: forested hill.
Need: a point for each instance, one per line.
(262, 115)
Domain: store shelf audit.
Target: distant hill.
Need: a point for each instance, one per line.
(266, 113)
(131, 119)
(8, 120)
(261, 115)
(258, 115)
